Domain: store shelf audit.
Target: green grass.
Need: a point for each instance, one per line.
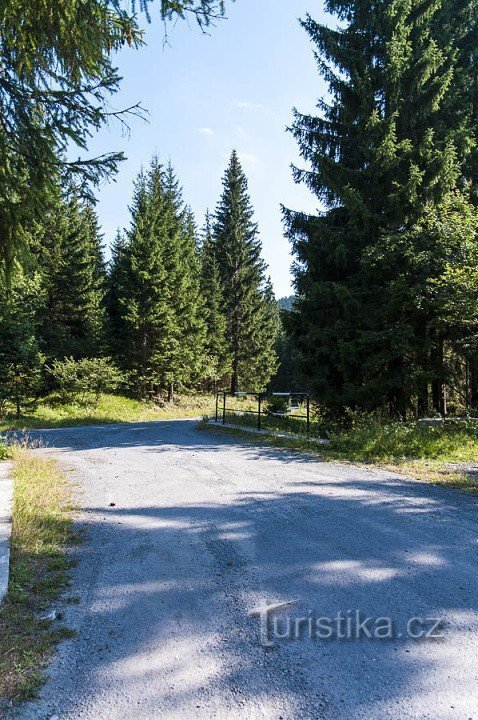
(437, 454)
(41, 533)
(274, 423)
(51, 413)
(295, 422)
(455, 442)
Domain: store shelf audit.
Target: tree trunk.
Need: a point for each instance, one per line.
(235, 378)
(171, 393)
(438, 384)
(396, 398)
(422, 403)
(438, 396)
(397, 405)
(474, 384)
(423, 390)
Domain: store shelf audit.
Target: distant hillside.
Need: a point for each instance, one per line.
(285, 303)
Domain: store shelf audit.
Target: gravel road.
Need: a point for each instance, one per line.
(189, 531)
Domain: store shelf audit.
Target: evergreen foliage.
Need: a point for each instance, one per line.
(117, 282)
(154, 281)
(218, 357)
(286, 303)
(20, 358)
(386, 307)
(57, 76)
(72, 321)
(289, 376)
(248, 301)
(183, 309)
(385, 158)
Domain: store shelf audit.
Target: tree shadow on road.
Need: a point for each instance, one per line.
(166, 588)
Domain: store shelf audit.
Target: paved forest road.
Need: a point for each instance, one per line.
(204, 530)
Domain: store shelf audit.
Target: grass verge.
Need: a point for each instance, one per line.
(271, 423)
(441, 455)
(41, 533)
(5, 451)
(51, 413)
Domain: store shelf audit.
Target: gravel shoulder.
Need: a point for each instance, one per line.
(188, 531)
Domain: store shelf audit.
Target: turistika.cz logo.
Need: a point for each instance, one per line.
(277, 624)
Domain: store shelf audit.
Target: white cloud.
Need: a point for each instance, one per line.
(246, 105)
(206, 131)
(248, 159)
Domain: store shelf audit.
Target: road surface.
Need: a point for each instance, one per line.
(188, 532)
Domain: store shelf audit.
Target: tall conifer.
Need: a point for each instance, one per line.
(72, 265)
(154, 287)
(218, 357)
(242, 273)
(379, 157)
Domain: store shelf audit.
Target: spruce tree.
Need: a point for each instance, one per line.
(458, 23)
(379, 156)
(140, 288)
(72, 266)
(218, 359)
(117, 283)
(266, 337)
(154, 288)
(57, 76)
(20, 357)
(247, 296)
(182, 263)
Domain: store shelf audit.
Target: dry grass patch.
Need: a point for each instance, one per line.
(41, 533)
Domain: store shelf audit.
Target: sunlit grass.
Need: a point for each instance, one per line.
(41, 533)
(51, 413)
(243, 410)
(454, 442)
(438, 454)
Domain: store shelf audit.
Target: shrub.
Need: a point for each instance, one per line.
(86, 379)
(278, 405)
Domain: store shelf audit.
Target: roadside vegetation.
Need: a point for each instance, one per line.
(385, 317)
(278, 414)
(4, 450)
(41, 534)
(444, 453)
(157, 321)
(441, 453)
(52, 411)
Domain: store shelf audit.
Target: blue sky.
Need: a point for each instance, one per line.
(205, 95)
